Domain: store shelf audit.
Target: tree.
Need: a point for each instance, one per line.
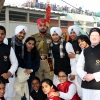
(1, 4)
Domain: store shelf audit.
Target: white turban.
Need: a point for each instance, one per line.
(19, 28)
(57, 30)
(75, 28)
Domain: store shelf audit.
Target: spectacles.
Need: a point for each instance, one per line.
(62, 76)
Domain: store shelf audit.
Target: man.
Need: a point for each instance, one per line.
(88, 67)
(74, 33)
(43, 41)
(16, 43)
(8, 60)
(60, 50)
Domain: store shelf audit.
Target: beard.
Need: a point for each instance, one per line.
(43, 31)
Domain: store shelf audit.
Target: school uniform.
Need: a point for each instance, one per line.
(89, 63)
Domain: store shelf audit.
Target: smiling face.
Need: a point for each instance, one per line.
(73, 35)
(82, 44)
(46, 88)
(35, 85)
(21, 35)
(2, 89)
(95, 38)
(62, 77)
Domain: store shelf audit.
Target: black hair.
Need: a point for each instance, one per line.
(84, 38)
(34, 52)
(50, 83)
(35, 78)
(63, 71)
(95, 29)
(2, 82)
(3, 28)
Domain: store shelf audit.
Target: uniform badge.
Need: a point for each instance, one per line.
(77, 52)
(5, 58)
(98, 62)
(48, 40)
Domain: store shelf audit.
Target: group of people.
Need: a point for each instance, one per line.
(46, 67)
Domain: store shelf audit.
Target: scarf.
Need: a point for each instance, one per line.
(16, 41)
(62, 54)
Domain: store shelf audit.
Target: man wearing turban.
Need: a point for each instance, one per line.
(59, 50)
(43, 40)
(16, 43)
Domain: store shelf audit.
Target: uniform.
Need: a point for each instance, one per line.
(42, 44)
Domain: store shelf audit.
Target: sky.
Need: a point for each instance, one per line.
(92, 5)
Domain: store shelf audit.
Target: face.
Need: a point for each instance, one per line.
(62, 77)
(35, 85)
(55, 37)
(21, 35)
(42, 28)
(94, 38)
(82, 44)
(46, 88)
(73, 35)
(2, 90)
(30, 45)
(2, 36)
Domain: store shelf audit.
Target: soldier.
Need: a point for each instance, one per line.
(43, 41)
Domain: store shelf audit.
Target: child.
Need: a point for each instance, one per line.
(83, 41)
(2, 90)
(48, 87)
(37, 93)
(67, 89)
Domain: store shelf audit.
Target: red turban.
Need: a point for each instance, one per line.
(42, 20)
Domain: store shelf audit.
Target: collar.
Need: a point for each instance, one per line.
(47, 35)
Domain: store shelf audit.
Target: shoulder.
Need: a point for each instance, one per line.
(35, 35)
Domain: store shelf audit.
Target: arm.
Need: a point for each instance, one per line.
(35, 69)
(14, 62)
(80, 66)
(69, 95)
(69, 49)
(66, 96)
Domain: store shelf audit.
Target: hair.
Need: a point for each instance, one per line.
(50, 83)
(84, 38)
(95, 29)
(3, 28)
(63, 71)
(34, 52)
(2, 82)
(35, 78)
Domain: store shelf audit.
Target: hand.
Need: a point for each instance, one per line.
(71, 55)
(52, 94)
(27, 71)
(88, 77)
(6, 75)
(72, 77)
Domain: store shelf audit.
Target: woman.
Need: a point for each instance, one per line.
(67, 89)
(83, 41)
(29, 63)
(48, 88)
(2, 90)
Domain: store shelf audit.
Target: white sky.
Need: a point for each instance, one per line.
(86, 4)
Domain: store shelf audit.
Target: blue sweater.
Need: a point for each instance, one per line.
(29, 64)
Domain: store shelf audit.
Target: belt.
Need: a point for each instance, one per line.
(43, 56)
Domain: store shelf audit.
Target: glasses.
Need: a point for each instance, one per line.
(62, 76)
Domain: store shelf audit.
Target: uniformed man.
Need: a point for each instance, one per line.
(43, 40)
